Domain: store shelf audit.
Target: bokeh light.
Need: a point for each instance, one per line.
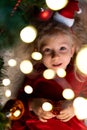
(56, 4)
(81, 60)
(17, 113)
(12, 62)
(49, 74)
(80, 107)
(68, 94)
(28, 89)
(46, 106)
(28, 34)
(36, 55)
(6, 82)
(61, 72)
(26, 66)
(8, 93)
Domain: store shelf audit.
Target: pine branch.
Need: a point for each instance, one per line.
(1, 70)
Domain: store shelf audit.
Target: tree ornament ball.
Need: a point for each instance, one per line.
(45, 14)
(17, 110)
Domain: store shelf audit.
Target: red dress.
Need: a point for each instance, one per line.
(52, 90)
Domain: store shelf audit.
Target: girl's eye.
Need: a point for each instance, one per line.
(63, 48)
(47, 51)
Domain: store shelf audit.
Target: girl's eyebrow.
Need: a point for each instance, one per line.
(43, 45)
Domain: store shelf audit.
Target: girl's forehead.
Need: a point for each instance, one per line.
(57, 38)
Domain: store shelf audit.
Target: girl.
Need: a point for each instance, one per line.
(58, 46)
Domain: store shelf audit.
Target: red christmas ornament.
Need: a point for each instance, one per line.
(45, 14)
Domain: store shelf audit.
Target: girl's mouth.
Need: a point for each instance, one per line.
(57, 65)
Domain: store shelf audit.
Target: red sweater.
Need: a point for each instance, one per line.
(50, 89)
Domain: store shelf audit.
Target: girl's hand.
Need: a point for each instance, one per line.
(36, 107)
(44, 115)
(66, 114)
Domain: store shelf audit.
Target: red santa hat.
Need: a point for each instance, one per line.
(66, 15)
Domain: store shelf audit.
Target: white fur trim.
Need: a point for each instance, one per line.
(68, 21)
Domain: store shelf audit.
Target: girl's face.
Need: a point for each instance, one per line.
(57, 52)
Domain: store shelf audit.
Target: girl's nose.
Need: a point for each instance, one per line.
(55, 54)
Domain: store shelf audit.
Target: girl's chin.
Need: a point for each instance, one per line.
(56, 69)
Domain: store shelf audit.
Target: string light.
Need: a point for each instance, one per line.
(36, 55)
(68, 94)
(49, 74)
(61, 72)
(26, 66)
(28, 89)
(81, 63)
(46, 106)
(80, 107)
(17, 113)
(6, 82)
(28, 34)
(8, 93)
(12, 62)
(56, 4)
